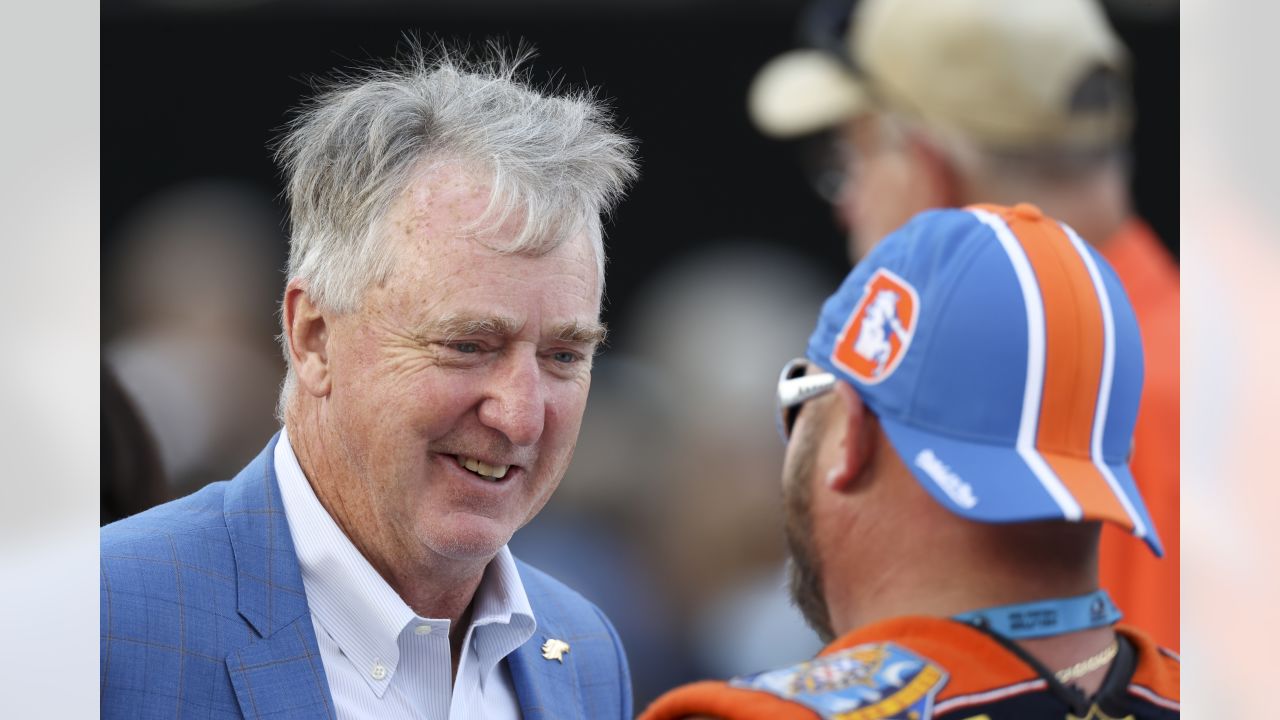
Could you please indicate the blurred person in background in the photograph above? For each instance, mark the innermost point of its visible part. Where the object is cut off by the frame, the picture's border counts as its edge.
(132, 479)
(957, 433)
(439, 321)
(947, 104)
(191, 329)
(597, 534)
(713, 491)
(668, 518)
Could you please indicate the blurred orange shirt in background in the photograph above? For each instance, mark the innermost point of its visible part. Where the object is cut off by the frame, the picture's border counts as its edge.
(1147, 588)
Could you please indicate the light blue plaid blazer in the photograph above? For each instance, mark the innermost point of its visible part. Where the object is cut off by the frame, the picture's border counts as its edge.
(204, 616)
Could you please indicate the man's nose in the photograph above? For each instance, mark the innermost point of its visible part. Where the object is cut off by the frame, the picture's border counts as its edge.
(515, 403)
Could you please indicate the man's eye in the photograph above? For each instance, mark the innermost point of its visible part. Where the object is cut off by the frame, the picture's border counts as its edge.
(466, 348)
(565, 357)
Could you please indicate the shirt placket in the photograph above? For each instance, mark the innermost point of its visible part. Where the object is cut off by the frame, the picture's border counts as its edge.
(425, 663)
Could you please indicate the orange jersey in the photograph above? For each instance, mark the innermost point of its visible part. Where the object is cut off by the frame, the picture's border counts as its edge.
(920, 668)
(1147, 588)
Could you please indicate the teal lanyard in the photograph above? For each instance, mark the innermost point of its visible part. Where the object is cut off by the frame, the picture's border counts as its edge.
(1043, 618)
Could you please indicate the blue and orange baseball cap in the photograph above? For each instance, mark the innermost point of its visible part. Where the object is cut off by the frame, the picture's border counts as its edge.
(1003, 360)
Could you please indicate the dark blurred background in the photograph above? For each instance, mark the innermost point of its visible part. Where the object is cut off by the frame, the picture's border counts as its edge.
(719, 260)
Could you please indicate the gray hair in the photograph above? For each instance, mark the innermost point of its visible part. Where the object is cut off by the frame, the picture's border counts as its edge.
(555, 161)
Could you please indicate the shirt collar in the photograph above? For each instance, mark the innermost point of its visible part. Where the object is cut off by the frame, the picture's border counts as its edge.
(501, 617)
(356, 606)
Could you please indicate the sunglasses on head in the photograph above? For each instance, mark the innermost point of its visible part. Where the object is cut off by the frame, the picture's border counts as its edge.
(794, 388)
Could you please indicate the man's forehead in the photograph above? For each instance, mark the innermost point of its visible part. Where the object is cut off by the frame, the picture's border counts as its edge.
(453, 218)
(448, 183)
(456, 199)
(432, 223)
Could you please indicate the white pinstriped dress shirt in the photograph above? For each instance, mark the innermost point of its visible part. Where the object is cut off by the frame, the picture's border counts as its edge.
(382, 660)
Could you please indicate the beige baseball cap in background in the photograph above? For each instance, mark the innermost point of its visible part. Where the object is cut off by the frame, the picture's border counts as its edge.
(1005, 73)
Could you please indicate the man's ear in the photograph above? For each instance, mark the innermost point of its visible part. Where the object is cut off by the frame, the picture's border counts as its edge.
(308, 335)
(856, 444)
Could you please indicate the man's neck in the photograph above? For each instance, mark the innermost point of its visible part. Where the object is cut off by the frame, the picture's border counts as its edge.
(963, 577)
(918, 591)
(1095, 207)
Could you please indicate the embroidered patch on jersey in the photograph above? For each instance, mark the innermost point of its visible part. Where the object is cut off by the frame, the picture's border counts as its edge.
(867, 682)
(880, 329)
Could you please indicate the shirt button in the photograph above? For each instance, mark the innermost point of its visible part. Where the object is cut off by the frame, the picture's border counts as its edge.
(379, 671)
(422, 630)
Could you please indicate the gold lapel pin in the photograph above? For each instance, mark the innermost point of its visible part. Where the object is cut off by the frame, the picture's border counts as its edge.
(554, 649)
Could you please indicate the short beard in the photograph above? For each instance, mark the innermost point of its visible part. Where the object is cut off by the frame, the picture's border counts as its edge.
(805, 568)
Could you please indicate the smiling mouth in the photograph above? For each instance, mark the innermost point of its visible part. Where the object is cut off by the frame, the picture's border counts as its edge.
(489, 472)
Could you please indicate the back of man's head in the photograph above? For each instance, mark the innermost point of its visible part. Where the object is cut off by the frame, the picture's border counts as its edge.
(1001, 358)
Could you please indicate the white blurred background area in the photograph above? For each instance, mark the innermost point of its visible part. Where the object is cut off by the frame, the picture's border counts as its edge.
(1230, 202)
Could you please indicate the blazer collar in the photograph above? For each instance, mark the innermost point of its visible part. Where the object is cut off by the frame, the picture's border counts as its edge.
(270, 594)
(280, 673)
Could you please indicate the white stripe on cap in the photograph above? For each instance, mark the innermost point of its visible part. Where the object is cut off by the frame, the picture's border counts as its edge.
(1031, 395)
(1104, 387)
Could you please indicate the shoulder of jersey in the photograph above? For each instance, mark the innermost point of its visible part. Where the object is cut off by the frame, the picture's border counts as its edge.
(873, 680)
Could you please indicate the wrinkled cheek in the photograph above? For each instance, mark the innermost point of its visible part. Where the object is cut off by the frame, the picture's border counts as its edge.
(568, 408)
(563, 408)
(563, 425)
(540, 500)
(554, 461)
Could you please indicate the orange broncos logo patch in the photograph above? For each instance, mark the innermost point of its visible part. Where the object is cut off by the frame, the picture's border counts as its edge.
(880, 329)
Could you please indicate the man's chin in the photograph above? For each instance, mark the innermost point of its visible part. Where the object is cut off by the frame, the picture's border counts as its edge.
(468, 538)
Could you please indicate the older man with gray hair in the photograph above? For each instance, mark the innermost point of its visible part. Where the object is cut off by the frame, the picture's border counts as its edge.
(439, 322)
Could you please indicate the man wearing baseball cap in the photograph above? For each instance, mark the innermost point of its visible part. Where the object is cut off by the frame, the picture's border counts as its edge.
(956, 435)
(967, 101)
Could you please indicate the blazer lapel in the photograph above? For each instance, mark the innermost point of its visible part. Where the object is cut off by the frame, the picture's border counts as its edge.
(547, 689)
(280, 674)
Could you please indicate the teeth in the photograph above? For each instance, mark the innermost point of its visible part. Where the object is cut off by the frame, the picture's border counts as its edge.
(496, 472)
